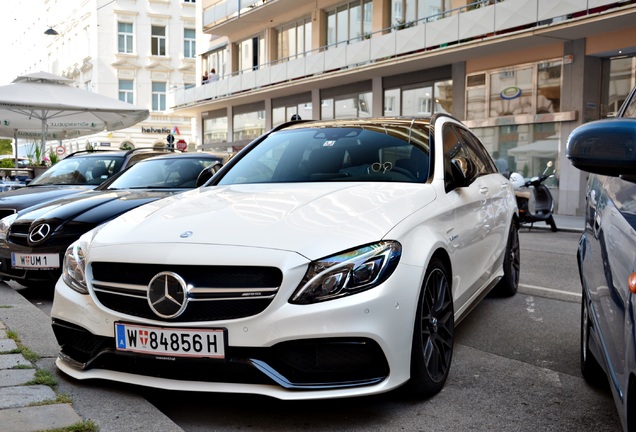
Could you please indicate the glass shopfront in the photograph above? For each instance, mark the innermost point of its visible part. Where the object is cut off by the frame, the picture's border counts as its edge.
(516, 112)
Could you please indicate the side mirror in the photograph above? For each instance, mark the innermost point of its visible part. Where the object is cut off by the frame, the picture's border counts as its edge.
(207, 174)
(459, 168)
(605, 147)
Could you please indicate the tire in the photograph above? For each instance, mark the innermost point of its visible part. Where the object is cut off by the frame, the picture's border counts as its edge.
(590, 367)
(509, 283)
(432, 346)
(552, 224)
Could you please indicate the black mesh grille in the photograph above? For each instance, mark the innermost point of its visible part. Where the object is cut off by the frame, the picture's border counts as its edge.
(78, 343)
(200, 276)
(208, 307)
(19, 233)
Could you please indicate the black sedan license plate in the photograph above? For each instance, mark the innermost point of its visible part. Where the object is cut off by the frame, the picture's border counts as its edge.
(170, 341)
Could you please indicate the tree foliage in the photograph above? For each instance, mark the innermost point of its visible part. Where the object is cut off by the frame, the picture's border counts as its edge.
(5, 146)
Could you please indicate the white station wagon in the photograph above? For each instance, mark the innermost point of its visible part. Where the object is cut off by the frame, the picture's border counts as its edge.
(327, 259)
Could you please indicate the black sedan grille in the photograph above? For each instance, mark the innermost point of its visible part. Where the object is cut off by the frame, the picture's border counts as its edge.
(61, 236)
(214, 293)
(19, 233)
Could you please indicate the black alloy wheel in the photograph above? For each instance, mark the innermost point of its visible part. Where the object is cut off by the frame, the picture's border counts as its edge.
(432, 348)
(509, 283)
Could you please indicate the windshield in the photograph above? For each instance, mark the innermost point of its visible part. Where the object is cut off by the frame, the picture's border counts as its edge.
(92, 170)
(163, 173)
(384, 154)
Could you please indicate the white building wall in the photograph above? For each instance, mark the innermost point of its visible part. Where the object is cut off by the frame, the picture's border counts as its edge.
(86, 51)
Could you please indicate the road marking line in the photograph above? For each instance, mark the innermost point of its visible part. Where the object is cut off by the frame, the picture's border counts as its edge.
(550, 292)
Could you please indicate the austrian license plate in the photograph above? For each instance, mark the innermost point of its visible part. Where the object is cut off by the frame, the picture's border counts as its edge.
(35, 261)
(170, 341)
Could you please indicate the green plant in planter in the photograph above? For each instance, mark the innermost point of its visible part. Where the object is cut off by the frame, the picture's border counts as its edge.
(53, 157)
(35, 154)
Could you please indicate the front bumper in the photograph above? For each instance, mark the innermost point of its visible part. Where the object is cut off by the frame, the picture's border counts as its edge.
(352, 346)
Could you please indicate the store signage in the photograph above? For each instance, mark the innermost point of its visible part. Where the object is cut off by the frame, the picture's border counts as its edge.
(152, 130)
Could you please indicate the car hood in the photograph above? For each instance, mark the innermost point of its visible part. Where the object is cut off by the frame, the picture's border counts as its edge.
(311, 219)
(91, 207)
(28, 196)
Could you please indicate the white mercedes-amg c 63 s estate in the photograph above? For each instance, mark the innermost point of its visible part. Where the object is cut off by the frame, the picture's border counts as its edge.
(326, 259)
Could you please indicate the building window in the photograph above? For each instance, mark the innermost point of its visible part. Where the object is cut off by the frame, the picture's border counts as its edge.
(524, 90)
(524, 148)
(216, 60)
(215, 134)
(347, 106)
(282, 114)
(158, 41)
(406, 12)
(349, 22)
(249, 125)
(126, 93)
(419, 100)
(476, 97)
(158, 96)
(294, 40)
(616, 87)
(125, 37)
(251, 53)
(189, 43)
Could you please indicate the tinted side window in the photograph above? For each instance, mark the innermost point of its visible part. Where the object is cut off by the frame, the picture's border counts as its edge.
(478, 153)
(456, 150)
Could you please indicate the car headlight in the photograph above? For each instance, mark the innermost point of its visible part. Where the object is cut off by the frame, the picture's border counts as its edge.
(348, 273)
(74, 268)
(5, 224)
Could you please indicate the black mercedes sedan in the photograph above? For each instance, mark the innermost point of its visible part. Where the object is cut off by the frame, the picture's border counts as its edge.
(33, 241)
(78, 172)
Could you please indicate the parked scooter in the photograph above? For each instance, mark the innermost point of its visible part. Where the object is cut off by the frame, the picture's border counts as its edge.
(543, 201)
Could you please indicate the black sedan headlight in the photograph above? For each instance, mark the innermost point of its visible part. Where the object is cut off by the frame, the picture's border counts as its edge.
(348, 273)
(5, 225)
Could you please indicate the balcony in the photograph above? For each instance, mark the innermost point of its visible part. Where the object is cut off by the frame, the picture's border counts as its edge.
(434, 41)
(225, 15)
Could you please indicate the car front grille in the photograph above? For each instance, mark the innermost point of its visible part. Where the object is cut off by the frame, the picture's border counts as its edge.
(214, 292)
(19, 233)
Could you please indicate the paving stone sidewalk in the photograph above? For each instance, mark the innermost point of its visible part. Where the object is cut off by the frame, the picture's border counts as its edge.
(20, 404)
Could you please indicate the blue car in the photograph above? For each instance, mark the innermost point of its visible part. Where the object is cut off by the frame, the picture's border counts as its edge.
(607, 254)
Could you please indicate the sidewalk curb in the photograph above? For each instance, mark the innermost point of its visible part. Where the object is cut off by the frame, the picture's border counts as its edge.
(112, 407)
(19, 411)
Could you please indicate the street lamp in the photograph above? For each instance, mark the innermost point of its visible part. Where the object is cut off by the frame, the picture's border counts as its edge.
(51, 32)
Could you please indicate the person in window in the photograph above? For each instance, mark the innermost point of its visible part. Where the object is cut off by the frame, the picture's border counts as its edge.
(205, 79)
(213, 76)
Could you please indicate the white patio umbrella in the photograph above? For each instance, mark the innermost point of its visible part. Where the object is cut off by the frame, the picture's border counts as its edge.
(44, 105)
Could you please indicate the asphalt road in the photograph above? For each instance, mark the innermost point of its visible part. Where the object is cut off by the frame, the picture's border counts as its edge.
(515, 368)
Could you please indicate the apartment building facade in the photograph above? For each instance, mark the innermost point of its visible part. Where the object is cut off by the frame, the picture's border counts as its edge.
(521, 73)
(130, 50)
